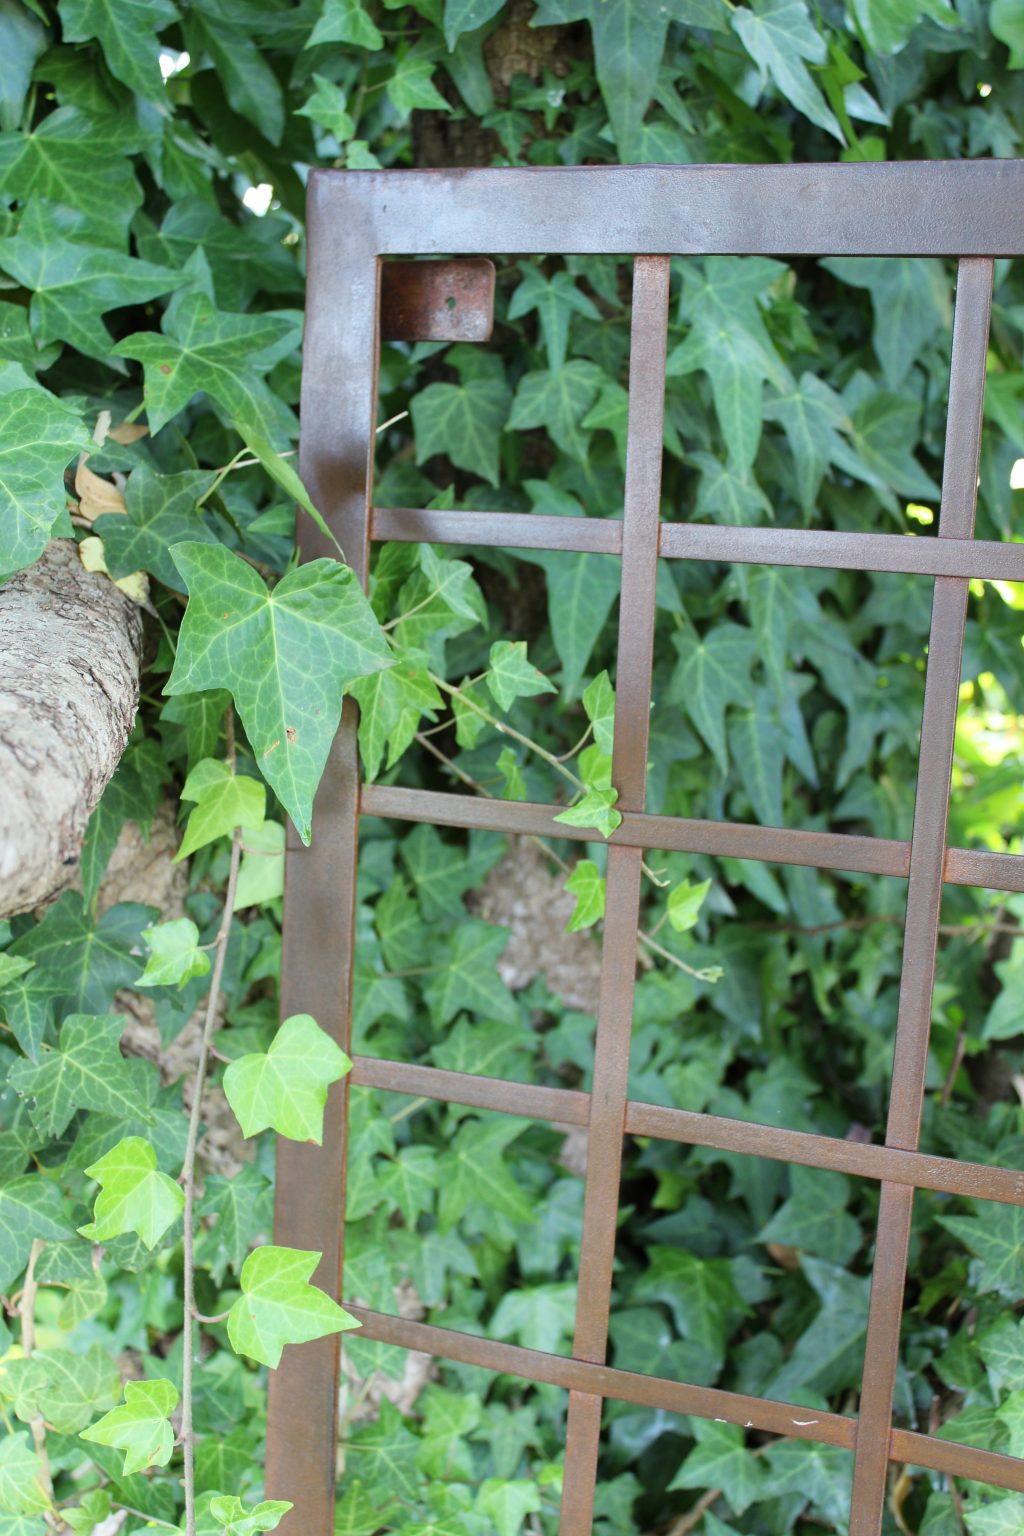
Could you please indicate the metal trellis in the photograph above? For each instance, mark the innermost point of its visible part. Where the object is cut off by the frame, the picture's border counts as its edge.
(973, 211)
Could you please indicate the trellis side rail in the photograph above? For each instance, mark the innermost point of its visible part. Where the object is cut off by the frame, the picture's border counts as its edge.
(972, 211)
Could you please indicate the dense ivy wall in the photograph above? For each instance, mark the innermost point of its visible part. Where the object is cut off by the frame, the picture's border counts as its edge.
(152, 163)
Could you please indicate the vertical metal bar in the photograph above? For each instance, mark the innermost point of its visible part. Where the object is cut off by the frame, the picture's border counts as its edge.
(648, 342)
(924, 892)
(339, 389)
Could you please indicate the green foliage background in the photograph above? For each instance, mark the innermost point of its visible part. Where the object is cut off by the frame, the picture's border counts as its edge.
(151, 247)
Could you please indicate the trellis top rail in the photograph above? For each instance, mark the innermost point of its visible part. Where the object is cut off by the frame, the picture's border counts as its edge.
(893, 208)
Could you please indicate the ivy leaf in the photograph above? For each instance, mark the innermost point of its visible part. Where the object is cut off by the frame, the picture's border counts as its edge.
(511, 676)
(779, 35)
(127, 31)
(466, 16)
(411, 84)
(581, 591)
(77, 1386)
(223, 801)
(410, 1179)
(239, 1521)
(240, 1207)
(87, 1071)
(285, 1088)
(22, 40)
(73, 284)
(327, 107)
(474, 1172)
(286, 656)
(820, 1475)
(278, 1306)
(629, 41)
(812, 416)
(995, 1235)
(30, 1207)
(587, 884)
(345, 21)
(384, 1454)
(81, 166)
(462, 421)
(83, 1519)
(355, 1513)
(599, 704)
(174, 954)
(508, 1502)
(392, 703)
(538, 1316)
(888, 25)
(514, 784)
(911, 302)
(261, 874)
(756, 741)
(21, 1481)
(201, 716)
(712, 673)
(77, 963)
(720, 1459)
(814, 1219)
(684, 904)
(558, 401)
(595, 809)
(134, 1196)
(469, 977)
(204, 349)
(554, 299)
(249, 82)
(140, 1426)
(700, 1293)
(736, 360)
(39, 435)
(440, 871)
(282, 473)
(161, 511)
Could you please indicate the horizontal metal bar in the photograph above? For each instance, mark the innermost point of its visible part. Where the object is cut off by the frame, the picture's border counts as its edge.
(566, 1106)
(561, 1106)
(928, 208)
(785, 1419)
(910, 555)
(720, 839)
(497, 530)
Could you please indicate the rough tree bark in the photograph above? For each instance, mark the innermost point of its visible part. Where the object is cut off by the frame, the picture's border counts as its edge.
(69, 689)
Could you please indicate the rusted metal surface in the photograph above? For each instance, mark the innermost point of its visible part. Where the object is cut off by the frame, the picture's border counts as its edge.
(437, 300)
(924, 891)
(969, 210)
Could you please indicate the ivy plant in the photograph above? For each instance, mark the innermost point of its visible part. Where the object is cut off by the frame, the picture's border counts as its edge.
(153, 156)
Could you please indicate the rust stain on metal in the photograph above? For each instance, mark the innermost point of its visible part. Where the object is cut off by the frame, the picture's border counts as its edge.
(437, 300)
(972, 210)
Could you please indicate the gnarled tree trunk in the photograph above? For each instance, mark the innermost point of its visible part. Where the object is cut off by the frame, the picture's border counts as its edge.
(69, 689)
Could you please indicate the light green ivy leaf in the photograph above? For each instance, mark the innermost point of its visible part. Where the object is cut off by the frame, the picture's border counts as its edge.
(278, 1306)
(285, 1088)
(175, 955)
(223, 801)
(140, 1426)
(134, 1195)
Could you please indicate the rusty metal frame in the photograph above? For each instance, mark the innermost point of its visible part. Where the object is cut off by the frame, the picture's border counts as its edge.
(973, 211)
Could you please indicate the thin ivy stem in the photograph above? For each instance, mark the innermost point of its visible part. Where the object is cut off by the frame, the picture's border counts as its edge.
(472, 783)
(188, 1171)
(508, 730)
